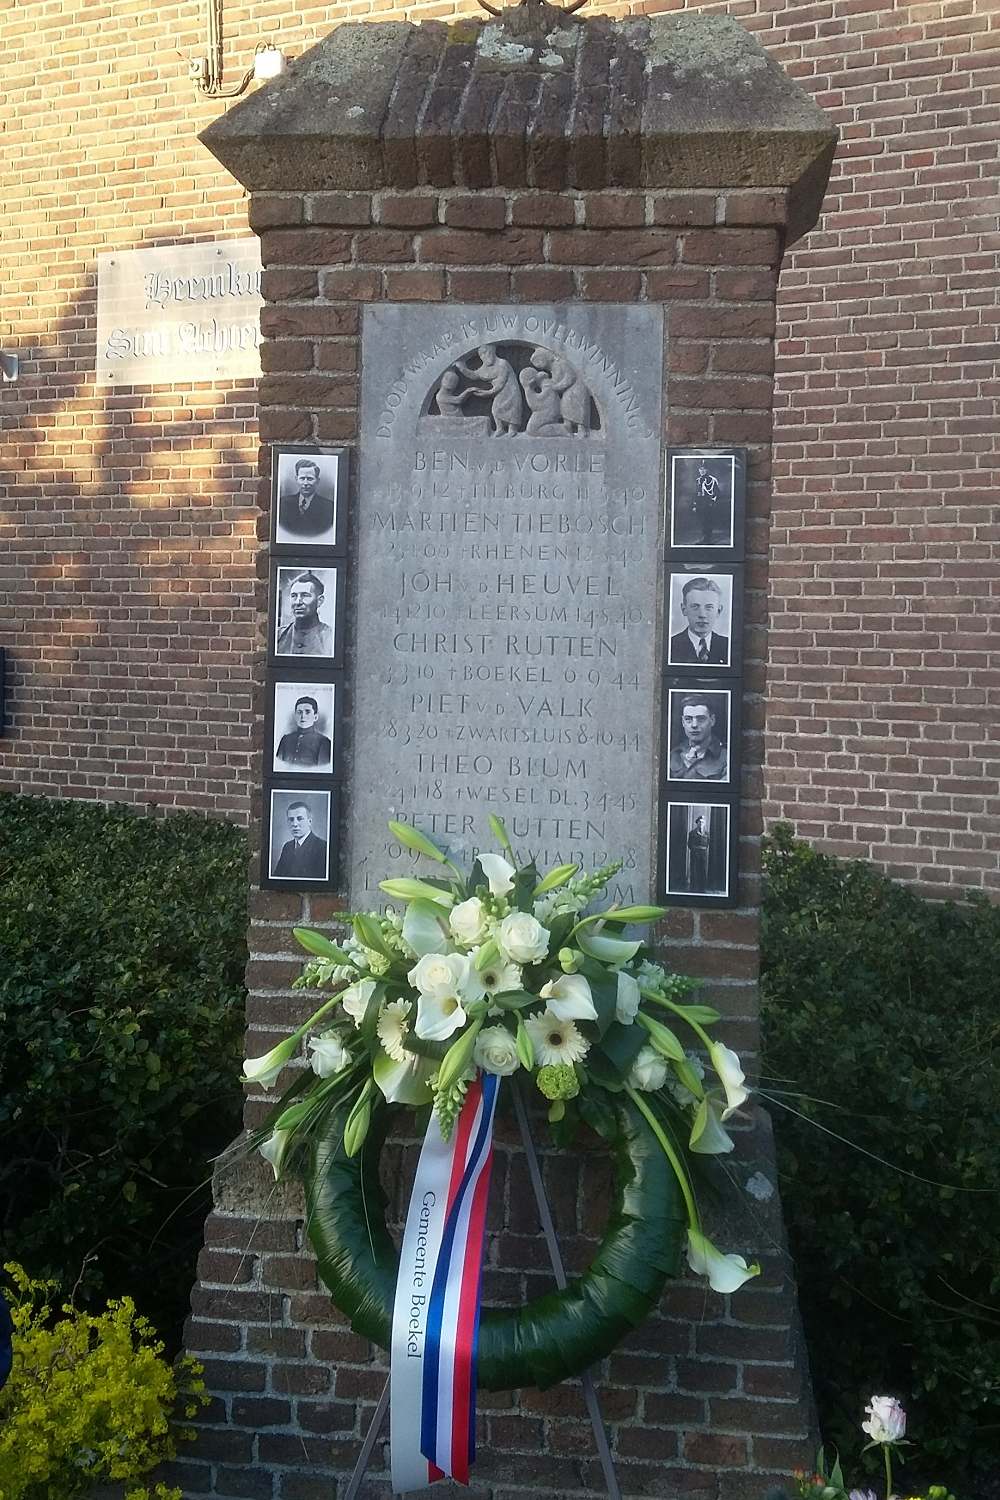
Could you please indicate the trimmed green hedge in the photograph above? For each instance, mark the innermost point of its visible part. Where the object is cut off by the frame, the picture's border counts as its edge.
(889, 1006)
(122, 949)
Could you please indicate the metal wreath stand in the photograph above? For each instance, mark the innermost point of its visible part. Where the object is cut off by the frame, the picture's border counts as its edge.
(559, 1271)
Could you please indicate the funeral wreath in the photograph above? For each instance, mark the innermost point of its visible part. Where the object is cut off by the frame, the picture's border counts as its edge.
(498, 972)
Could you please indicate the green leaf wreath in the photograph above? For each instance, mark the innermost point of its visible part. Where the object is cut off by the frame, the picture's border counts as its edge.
(506, 971)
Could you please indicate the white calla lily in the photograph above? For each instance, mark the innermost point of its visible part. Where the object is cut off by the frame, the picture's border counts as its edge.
(439, 1017)
(406, 1082)
(609, 950)
(708, 1138)
(627, 1001)
(265, 1069)
(498, 872)
(423, 928)
(731, 1076)
(569, 997)
(726, 1273)
(356, 997)
(274, 1148)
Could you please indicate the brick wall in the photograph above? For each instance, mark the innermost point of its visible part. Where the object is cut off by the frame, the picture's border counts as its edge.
(708, 1397)
(126, 518)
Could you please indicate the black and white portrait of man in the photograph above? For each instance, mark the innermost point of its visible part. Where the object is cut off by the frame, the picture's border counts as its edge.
(306, 499)
(303, 727)
(300, 835)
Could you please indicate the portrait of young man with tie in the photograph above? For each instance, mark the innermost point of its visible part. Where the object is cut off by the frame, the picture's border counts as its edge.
(299, 835)
(700, 608)
(306, 490)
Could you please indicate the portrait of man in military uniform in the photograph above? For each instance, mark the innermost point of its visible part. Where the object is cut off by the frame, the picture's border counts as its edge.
(303, 727)
(698, 850)
(305, 617)
(702, 492)
(699, 736)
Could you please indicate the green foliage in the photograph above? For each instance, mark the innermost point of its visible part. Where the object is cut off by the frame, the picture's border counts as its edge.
(122, 947)
(887, 1005)
(89, 1399)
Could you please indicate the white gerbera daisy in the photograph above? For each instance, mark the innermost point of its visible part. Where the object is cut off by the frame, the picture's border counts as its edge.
(500, 976)
(392, 1028)
(555, 1041)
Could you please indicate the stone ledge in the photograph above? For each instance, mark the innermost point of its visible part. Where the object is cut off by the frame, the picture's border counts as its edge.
(534, 99)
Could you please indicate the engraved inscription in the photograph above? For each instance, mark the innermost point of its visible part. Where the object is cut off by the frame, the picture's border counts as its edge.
(507, 585)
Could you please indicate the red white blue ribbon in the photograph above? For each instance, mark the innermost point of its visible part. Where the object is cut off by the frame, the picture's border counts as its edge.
(435, 1322)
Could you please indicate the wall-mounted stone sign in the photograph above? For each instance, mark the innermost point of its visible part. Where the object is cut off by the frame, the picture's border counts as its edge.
(179, 313)
(508, 580)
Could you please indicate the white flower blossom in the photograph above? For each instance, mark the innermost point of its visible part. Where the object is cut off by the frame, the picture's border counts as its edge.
(727, 1065)
(496, 1051)
(726, 1273)
(569, 997)
(355, 999)
(274, 1148)
(329, 1055)
(498, 872)
(392, 1027)
(499, 975)
(468, 921)
(886, 1420)
(648, 1072)
(522, 938)
(627, 1001)
(555, 1041)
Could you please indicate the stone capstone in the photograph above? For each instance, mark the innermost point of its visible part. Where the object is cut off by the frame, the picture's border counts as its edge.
(533, 98)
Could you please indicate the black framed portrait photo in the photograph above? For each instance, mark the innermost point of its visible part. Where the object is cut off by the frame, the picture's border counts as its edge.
(308, 497)
(706, 502)
(698, 861)
(302, 725)
(306, 615)
(299, 846)
(705, 620)
(701, 734)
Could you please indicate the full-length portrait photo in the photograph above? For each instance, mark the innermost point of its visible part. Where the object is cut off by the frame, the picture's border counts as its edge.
(706, 501)
(698, 854)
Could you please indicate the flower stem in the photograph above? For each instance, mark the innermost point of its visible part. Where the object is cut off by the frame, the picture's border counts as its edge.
(888, 1471)
(669, 1152)
(677, 1010)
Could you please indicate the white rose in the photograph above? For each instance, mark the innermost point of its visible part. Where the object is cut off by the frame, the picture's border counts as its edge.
(329, 1055)
(444, 975)
(498, 872)
(522, 938)
(886, 1420)
(468, 921)
(627, 1003)
(356, 997)
(433, 974)
(496, 1051)
(649, 1071)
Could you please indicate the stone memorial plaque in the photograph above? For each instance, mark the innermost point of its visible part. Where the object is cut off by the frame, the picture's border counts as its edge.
(179, 313)
(507, 588)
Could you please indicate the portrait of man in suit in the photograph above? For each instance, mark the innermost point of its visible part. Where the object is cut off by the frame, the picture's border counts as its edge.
(307, 500)
(303, 747)
(303, 855)
(700, 643)
(303, 595)
(699, 752)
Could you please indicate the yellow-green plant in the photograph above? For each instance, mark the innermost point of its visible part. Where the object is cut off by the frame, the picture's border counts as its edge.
(90, 1398)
